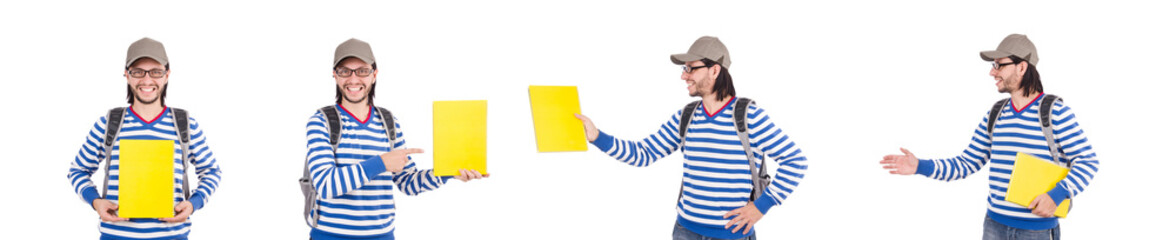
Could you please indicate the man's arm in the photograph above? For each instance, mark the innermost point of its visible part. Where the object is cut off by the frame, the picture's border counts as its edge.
(1078, 151)
(207, 170)
(779, 147)
(413, 181)
(330, 179)
(639, 154)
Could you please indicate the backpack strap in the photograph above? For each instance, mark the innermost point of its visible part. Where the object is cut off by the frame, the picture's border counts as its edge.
(683, 122)
(180, 117)
(389, 125)
(334, 128)
(994, 114)
(114, 119)
(1044, 112)
(740, 116)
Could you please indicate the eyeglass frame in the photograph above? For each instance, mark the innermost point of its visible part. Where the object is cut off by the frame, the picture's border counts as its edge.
(686, 68)
(144, 72)
(347, 72)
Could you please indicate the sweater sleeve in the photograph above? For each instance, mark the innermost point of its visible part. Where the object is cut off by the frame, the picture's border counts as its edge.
(207, 170)
(647, 151)
(87, 162)
(411, 180)
(779, 147)
(974, 157)
(1078, 152)
(330, 179)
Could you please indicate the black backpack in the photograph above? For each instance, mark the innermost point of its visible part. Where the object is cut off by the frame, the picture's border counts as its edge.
(761, 179)
(114, 120)
(335, 129)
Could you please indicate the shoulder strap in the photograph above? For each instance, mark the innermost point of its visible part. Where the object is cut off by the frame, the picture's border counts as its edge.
(740, 117)
(114, 119)
(994, 114)
(389, 125)
(180, 118)
(1044, 112)
(334, 128)
(684, 121)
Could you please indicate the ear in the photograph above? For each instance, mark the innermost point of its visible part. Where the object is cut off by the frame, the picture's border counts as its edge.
(1022, 68)
(374, 73)
(714, 71)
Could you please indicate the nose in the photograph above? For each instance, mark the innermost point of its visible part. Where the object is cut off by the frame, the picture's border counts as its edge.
(685, 75)
(992, 72)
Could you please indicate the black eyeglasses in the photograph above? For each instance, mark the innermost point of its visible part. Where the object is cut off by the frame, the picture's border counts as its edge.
(362, 72)
(690, 69)
(139, 72)
(997, 66)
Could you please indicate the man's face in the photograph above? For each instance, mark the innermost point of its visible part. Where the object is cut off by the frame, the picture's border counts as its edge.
(1007, 74)
(147, 79)
(699, 79)
(355, 78)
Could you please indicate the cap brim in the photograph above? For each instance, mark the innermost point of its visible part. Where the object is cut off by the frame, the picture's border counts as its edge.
(993, 55)
(361, 58)
(682, 58)
(133, 60)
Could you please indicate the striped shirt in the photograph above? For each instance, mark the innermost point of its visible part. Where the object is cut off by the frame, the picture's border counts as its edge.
(133, 126)
(716, 177)
(1019, 130)
(354, 188)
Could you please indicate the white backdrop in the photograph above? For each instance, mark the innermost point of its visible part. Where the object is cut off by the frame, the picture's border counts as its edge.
(850, 81)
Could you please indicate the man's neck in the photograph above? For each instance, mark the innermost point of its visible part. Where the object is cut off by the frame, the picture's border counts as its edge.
(147, 110)
(1020, 100)
(360, 110)
(712, 104)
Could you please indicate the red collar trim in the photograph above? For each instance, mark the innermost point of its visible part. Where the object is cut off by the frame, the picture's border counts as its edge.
(369, 116)
(153, 119)
(1027, 104)
(708, 114)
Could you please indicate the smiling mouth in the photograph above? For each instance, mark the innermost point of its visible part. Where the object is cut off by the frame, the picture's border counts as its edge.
(354, 89)
(147, 89)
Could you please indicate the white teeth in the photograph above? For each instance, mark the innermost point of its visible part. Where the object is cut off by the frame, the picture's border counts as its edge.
(353, 89)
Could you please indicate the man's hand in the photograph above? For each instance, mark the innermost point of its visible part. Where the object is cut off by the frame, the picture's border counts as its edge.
(469, 174)
(905, 164)
(1043, 206)
(745, 217)
(107, 210)
(183, 210)
(589, 129)
(395, 160)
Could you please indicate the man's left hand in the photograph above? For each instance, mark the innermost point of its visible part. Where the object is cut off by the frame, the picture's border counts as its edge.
(1043, 206)
(745, 217)
(183, 210)
(470, 174)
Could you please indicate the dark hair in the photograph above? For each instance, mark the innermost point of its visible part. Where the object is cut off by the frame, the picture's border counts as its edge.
(339, 93)
(724, 86)
(1031, 81)
(162, 94)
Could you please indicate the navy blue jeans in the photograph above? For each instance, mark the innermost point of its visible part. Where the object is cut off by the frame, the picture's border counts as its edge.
(996, 231)
(681, 233)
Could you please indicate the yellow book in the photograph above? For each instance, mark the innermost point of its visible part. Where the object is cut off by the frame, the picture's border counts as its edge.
(459, 136)
(1033, 176)
(146, 178)
(556, 129)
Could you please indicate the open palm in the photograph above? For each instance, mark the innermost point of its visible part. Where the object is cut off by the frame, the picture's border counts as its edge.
(905, 164)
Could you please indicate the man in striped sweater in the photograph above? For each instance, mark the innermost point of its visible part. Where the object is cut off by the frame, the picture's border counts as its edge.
(147, 118)
(1017, 129)
(716, 199)
(355, 182)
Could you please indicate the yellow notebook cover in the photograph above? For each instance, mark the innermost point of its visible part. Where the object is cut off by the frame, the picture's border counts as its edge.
(1033, 176)
(459, 136)
(146, 178)
(556, 129)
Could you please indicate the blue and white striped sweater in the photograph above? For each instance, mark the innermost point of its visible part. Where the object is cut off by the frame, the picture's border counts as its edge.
(134, 127)
(354, 188)
(716, 178)
(1020, 131)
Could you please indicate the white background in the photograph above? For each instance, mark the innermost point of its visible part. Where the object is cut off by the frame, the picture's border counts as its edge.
(850, 81)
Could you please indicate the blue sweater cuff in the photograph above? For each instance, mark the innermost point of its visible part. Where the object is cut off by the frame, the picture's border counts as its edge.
(197, 201)
(764, 202)
(373, 166)
(604, 142)
(926, 167)
(1058, 194)
(89, 194)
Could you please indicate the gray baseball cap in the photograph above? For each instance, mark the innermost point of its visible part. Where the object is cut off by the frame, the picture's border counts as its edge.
(146, 48)
(1013, 45)
(354, 48)
(705, 47)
